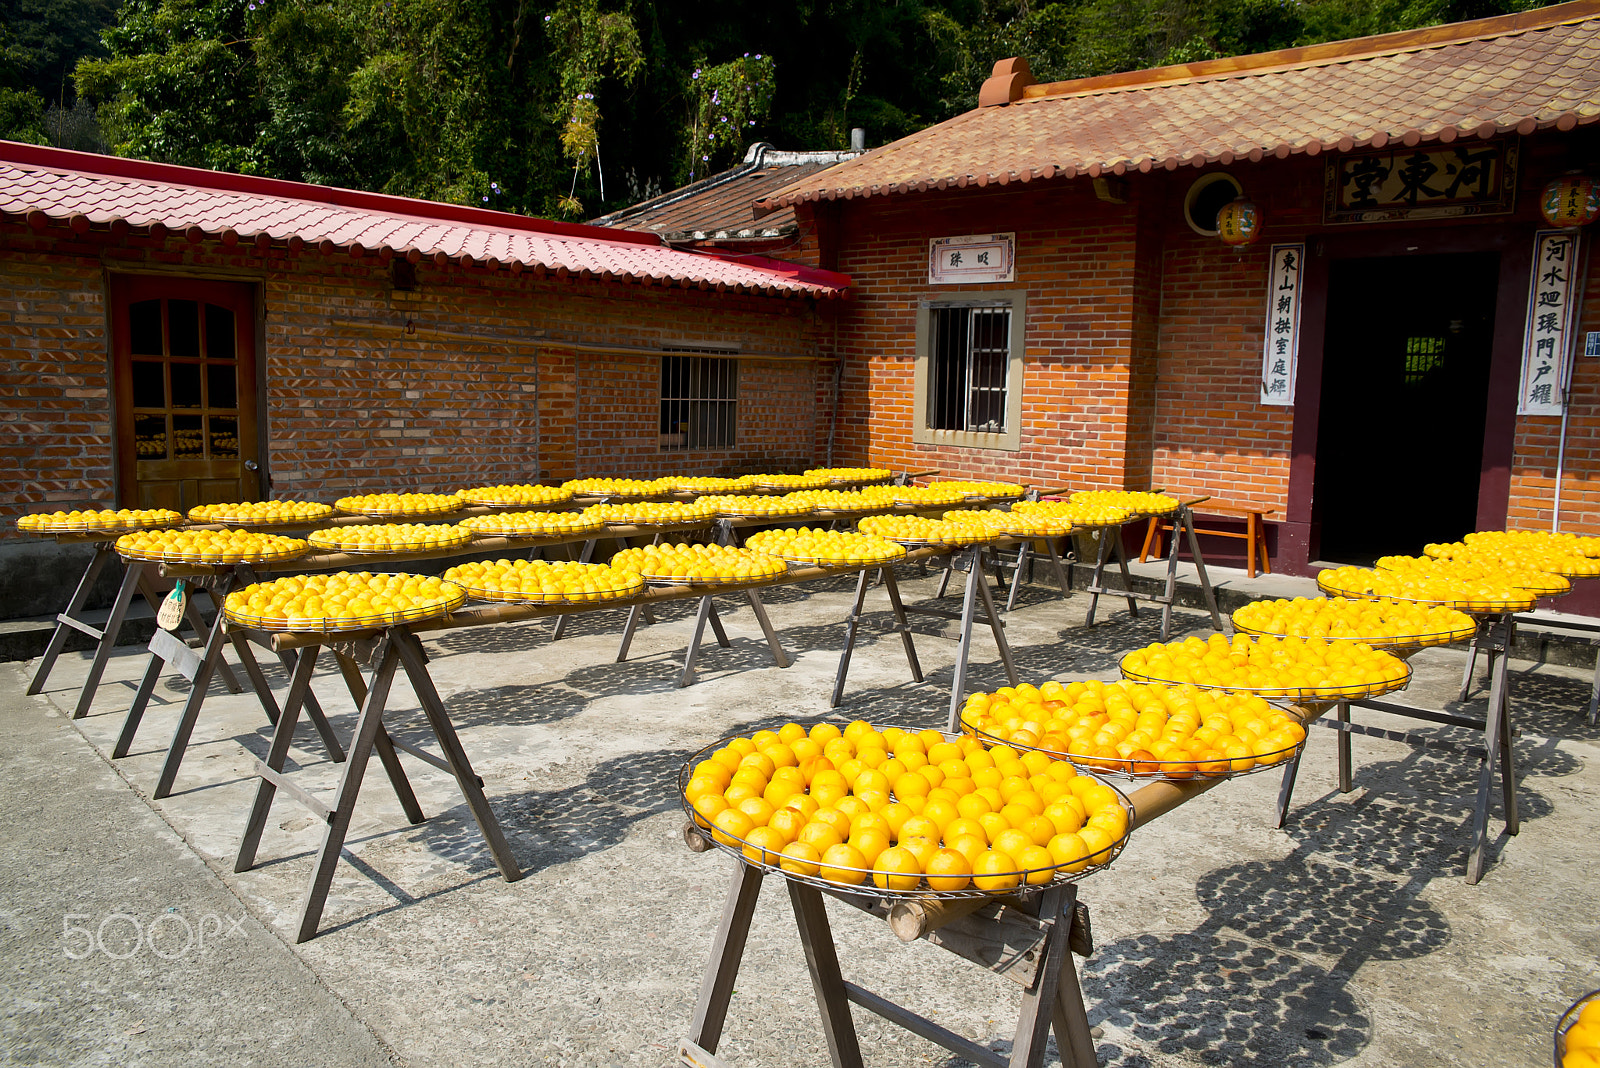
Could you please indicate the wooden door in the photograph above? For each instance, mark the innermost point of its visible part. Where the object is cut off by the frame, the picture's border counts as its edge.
(184, 361)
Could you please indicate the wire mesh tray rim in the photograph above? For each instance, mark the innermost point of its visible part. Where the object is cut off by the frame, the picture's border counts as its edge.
(1159, 774)
(505, 532)
(268, 521)
(816, 561)
(1568, 1018)
(377, 621)
(90, 529)
(221, 559)
(387, 550)
(937, 543)
(629, 521)
(723, 514)
(712, 583)
(1383, 641)
(871, 889)
(1299, 693)
(1469, 605)
(1113, 850)
(484, 593)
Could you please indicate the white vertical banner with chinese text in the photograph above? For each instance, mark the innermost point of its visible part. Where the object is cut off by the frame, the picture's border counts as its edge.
(1546, 341)
(1280, 352)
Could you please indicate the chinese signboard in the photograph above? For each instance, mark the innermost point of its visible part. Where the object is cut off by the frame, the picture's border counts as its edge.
(1551, 296)
(1281, 351)
(977, 258)
(1421, 183)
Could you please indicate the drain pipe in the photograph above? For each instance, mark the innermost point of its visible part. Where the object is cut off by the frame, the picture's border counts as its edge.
(838, 373)
(1582, 289)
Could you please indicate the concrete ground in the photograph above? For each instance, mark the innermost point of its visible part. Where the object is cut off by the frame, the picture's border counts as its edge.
(1349, 937)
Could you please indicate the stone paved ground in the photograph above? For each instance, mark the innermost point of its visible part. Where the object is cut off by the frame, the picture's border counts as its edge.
(1347, 938)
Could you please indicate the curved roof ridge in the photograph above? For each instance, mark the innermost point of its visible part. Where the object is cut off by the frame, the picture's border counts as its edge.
(1328, 53)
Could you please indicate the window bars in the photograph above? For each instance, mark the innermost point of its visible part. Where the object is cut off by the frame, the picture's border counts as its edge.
(970, 356)
(699, 401)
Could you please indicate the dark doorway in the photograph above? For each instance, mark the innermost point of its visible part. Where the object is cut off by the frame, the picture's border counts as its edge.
(1405, 389)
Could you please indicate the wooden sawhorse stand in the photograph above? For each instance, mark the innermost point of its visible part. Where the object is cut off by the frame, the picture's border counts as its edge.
(892, 588)
(1495, 752)
(198, 668)
(1027, 553)
(135, 579)
(976, 592)
(621, 535)
(1549, 629)
(400, 648)
(707, 614)
(1111, 546)
(1025, 940)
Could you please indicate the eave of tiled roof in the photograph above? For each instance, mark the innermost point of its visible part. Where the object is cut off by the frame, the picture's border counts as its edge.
(1530, 71)
(718, 207)
(84, 191)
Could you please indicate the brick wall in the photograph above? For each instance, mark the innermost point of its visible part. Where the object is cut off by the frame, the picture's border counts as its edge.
(1075, 260)
(1533, 472)
(55, 419)
(352, 404)
(1143, 338)
(1212, 434)
(619, 420)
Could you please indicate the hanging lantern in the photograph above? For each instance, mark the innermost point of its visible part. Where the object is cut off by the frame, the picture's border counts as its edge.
(1570, 201)
(1239, 223)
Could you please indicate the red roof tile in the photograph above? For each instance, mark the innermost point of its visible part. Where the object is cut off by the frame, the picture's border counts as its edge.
(1524, 72)
(45, 184)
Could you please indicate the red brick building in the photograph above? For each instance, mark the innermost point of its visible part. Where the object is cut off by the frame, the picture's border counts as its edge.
(173, 336)
(1037, 292)
(1127, 346)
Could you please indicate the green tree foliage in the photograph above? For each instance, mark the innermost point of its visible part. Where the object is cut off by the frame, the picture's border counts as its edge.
(528, 105)
(21, 107)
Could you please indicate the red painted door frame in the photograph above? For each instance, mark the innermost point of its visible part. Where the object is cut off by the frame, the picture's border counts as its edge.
(1299, 536)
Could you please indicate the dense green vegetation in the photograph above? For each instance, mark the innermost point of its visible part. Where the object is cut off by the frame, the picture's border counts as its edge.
(573, 107)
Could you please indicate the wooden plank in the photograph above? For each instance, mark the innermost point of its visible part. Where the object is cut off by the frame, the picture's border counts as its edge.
(175, 652)
(923, 1027)
(1000, 939)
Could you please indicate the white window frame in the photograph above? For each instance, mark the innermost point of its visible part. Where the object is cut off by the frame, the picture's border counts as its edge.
(1010, 438)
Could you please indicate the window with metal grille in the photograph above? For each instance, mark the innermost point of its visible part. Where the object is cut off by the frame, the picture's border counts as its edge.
(699, 401)
(969, 359)
(1423, 354)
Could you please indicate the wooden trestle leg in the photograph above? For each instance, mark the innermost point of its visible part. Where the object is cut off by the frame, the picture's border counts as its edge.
(977, 591)
(822, 960)
(1497, 745)
(455, 757)
(854, 624)
(1286, 791)
(849, 639)
(108, 637)
(1052, 996)
(68, 619)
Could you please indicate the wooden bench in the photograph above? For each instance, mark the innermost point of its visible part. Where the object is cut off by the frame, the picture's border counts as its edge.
(1254, 533)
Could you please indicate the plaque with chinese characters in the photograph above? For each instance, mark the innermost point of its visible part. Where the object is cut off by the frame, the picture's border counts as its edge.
(1546, 340)
(975, 258)
(1443, 181)
(1281, 351)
